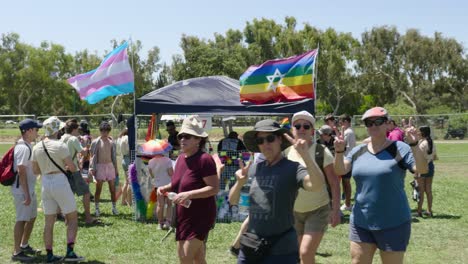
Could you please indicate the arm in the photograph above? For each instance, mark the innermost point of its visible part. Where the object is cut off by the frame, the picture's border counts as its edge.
(36, 169)
(211, 189)
(242, 177)
(23, 182)
(341, 166)
(334, 182)
(70, 165)
(315, 180)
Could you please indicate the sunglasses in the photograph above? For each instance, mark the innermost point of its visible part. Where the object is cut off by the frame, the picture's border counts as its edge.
(260, 140)
(184, 136)
(376, 122)
(305, 126)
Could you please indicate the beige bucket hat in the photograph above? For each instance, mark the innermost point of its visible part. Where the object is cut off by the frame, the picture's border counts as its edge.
(192, 125)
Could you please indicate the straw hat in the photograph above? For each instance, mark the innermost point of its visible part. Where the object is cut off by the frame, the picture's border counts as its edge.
(192, 125)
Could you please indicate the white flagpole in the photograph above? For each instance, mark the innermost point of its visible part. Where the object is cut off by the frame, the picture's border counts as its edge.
(314, 77)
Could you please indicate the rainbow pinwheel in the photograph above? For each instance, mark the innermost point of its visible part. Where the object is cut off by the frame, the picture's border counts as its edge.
(154, 147)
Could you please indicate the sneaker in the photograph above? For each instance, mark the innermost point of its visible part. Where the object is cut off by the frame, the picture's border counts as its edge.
(30, 250)
(72, 257)
(53, 259)
(22, 257)
(115, 211)
(160, 227)
(234, 251)
(346, 208)
(97, 213)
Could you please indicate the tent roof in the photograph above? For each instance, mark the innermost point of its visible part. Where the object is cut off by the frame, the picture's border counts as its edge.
(217, 95)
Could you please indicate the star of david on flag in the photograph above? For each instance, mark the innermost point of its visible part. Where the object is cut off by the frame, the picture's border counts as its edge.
(280, 80)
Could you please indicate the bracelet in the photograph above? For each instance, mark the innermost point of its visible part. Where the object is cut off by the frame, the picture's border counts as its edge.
(414, 144)
(339, 151)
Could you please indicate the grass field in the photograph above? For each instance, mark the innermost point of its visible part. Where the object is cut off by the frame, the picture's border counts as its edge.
(441, 239)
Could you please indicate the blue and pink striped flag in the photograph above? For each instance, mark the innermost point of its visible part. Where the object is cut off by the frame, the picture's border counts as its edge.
(113, 77)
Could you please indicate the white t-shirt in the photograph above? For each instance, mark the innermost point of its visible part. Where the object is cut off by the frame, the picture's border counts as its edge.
(159, 167)
(309, 201)
(74, 147)
(350, 140)
(122, 145)
(22, 156)
(58, 151)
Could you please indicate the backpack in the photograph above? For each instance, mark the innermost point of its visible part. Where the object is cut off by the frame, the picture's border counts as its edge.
(7, 174)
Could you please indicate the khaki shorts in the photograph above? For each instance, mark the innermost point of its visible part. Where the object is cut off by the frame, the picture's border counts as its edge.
(23, 212)
(313, 221)
(56, 193)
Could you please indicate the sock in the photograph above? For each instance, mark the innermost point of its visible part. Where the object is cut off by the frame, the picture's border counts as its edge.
(50, 253)
(24, 245)
(97, 205)
(70, 247)
(113, 204)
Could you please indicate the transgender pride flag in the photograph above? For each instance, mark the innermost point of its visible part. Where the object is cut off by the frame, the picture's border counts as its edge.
(113, 77)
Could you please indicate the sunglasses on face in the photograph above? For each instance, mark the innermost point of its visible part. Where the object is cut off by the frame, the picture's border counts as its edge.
(376, 122)
(260, 140)
(184, 136)
(305, 126)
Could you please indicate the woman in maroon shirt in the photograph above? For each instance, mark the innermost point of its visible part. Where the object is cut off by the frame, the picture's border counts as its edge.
(194, 179)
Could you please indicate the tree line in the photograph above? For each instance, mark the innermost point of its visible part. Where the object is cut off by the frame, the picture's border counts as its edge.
(409, 73)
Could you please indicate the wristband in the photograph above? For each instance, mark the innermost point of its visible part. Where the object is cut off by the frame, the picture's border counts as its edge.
(413, 144)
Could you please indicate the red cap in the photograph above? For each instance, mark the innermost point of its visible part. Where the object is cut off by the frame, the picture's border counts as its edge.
(375, 112)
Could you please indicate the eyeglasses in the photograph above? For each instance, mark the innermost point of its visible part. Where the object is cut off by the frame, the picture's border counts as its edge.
(376, 122)
(305, 126)
(260, 140)
(184, 136)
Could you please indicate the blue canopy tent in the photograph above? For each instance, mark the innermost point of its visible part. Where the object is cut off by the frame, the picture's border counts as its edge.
(216, 95)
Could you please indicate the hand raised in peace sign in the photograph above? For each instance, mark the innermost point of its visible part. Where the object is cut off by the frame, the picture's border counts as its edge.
(301, 145)
(242, 172)
(339, 143)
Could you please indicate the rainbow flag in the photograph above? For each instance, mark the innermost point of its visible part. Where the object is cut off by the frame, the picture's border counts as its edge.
(113, 77)
(285, 123)
(280, 80)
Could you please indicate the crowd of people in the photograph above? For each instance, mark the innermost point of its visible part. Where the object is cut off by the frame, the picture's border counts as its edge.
(295, 191)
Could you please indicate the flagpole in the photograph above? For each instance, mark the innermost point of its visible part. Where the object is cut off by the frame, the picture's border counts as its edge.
(315, 72)
(133, 157)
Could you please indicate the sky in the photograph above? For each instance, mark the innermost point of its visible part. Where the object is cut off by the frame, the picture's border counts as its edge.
(86, 24)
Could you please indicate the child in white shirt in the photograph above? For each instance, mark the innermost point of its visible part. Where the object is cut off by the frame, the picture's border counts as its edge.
(160, 169)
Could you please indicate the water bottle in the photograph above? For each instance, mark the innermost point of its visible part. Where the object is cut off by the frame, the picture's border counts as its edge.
(244, 203)
(172, 195)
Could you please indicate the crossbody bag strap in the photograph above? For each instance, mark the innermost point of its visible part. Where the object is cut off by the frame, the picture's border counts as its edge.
(50, 158)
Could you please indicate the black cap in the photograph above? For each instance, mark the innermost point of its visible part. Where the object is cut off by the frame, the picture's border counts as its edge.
(28, 124)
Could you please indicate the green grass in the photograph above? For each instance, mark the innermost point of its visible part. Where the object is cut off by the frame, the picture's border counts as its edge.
(441, 239)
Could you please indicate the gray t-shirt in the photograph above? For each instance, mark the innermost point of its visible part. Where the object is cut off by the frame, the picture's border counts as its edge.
(272, 195)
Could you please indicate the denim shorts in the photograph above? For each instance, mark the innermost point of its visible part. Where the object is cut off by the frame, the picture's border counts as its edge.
(391, 239)
(430, 172)
(271, 259)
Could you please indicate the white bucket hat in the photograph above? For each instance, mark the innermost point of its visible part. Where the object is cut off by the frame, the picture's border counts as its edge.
(192, 125)
(51, 125)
